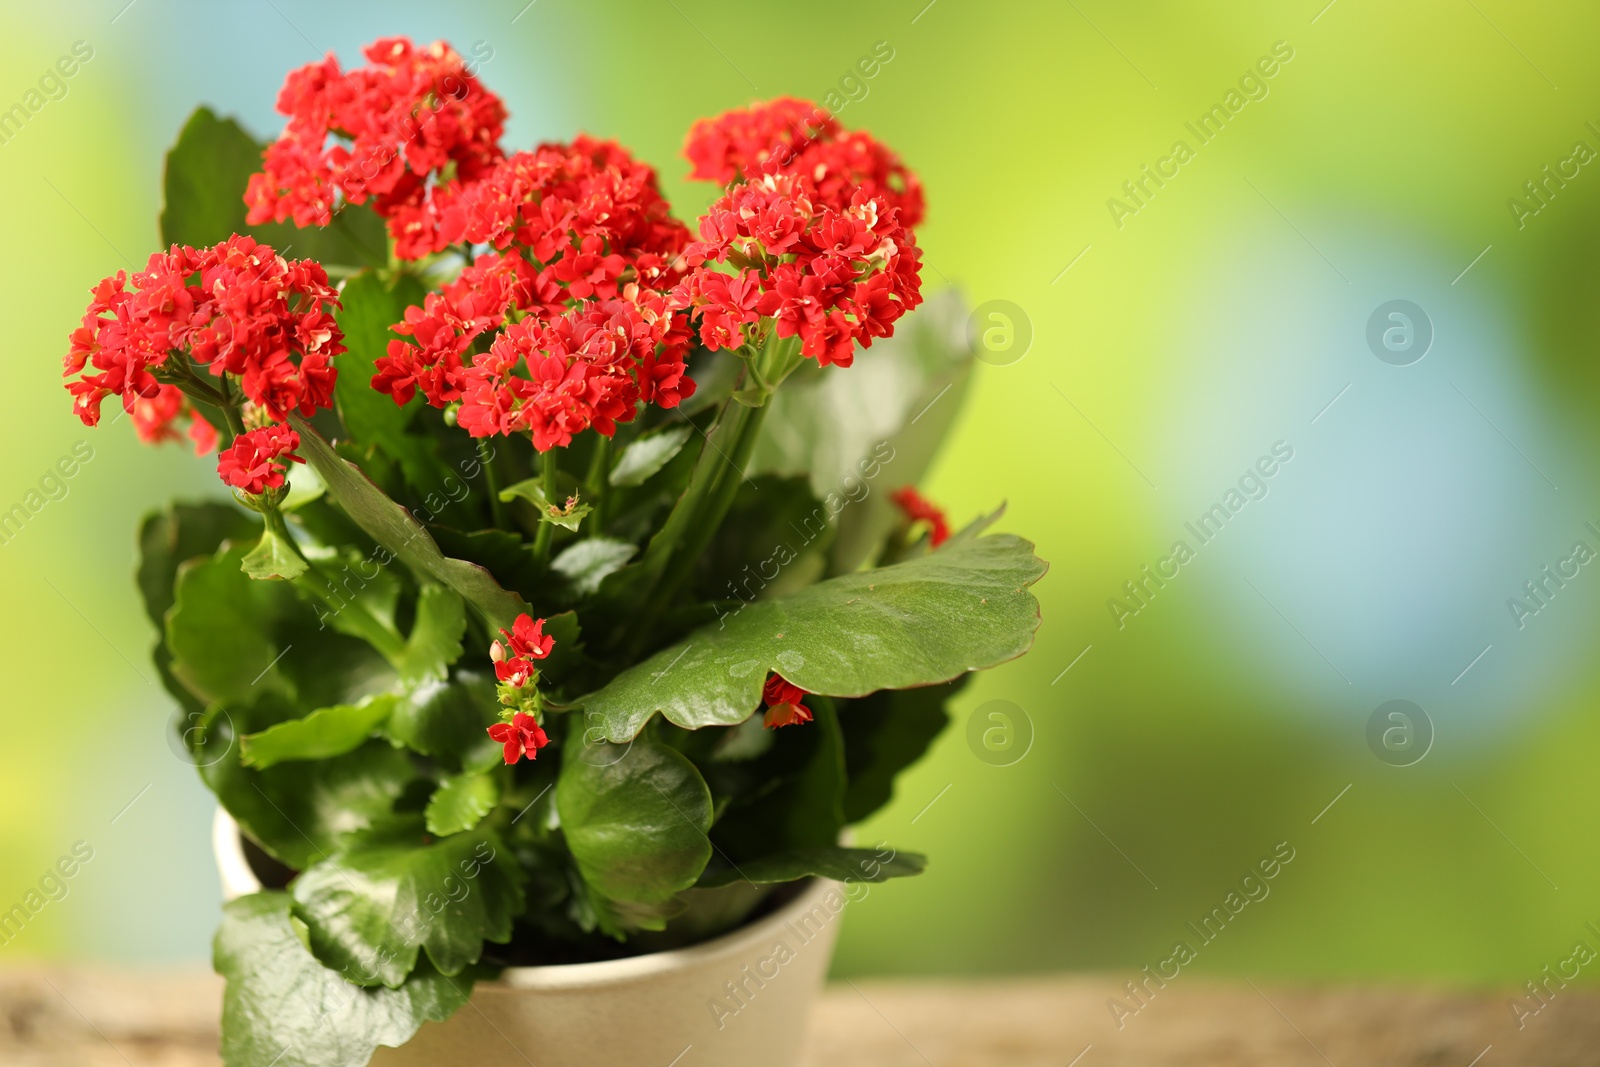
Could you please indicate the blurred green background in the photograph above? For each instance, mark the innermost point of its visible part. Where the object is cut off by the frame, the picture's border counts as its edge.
(1152, 764)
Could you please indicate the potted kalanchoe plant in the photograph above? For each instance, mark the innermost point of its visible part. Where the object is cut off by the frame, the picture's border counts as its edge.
(574, 596)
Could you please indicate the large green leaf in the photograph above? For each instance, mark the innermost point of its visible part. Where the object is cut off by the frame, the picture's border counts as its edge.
(839, 864)
(373, 904)
(962, 608)
(394, 528)
(206, 174)
(283, 1008)
(635, 818)
(885, 733)
(326, 732)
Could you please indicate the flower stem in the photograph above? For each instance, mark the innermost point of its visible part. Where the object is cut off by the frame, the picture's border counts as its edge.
(595, 481)
(547, 529)
(497, 511)
(688, 531)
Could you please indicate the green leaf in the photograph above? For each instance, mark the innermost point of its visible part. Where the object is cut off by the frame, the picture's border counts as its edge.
(177, 534)
(585, 564)
(300, 811)
(635, 818)
(839, 864)
(461, 802)
(647, 455)
(206, 174)
(371, 305)
(963, 608)
(371, 906)
(435, 640)
(273, 557)
(885, 733)
(220, 630)
(401, 535)
(284, 1008)
(450, 721)
(562, 515)
(326, 732)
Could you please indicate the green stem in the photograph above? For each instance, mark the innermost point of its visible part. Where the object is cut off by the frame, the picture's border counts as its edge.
(547, 529)
(595, 482)
(497, 511)
(718, 473)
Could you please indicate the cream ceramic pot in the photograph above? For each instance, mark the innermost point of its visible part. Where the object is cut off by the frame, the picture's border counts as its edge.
(739, 1000)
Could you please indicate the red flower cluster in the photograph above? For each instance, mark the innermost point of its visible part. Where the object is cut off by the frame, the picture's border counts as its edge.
(789, 136)
(783, 704)
(525, 642)
(589, 367)
(588, 211)
(412, 115)
(238, 308)
(834, 277)
(580, 222)
(254, 462)
(521, 736)
(447, 324)
(918, 508)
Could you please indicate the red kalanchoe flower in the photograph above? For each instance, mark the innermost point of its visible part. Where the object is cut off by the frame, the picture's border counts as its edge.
(237, 308)
(836, 278)
(410, 117)
(528, 639)
(918, 508)
(589, 367)
(522, 736)
(447, 324)
(525, 642)
(588, 211)
(578, 222)
(255, 463)
(783, 703)
(789, 136)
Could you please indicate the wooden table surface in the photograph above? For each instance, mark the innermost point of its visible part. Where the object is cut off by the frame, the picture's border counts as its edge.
(142, 1019)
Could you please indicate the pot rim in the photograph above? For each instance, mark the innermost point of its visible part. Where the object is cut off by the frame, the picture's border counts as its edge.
(239, 880)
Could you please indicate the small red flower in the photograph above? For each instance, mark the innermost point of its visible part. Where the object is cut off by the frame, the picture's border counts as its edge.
(528, 639)
(525, 642)
(522, 736)
(783, 703)
(254, 462)
(919, 508)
